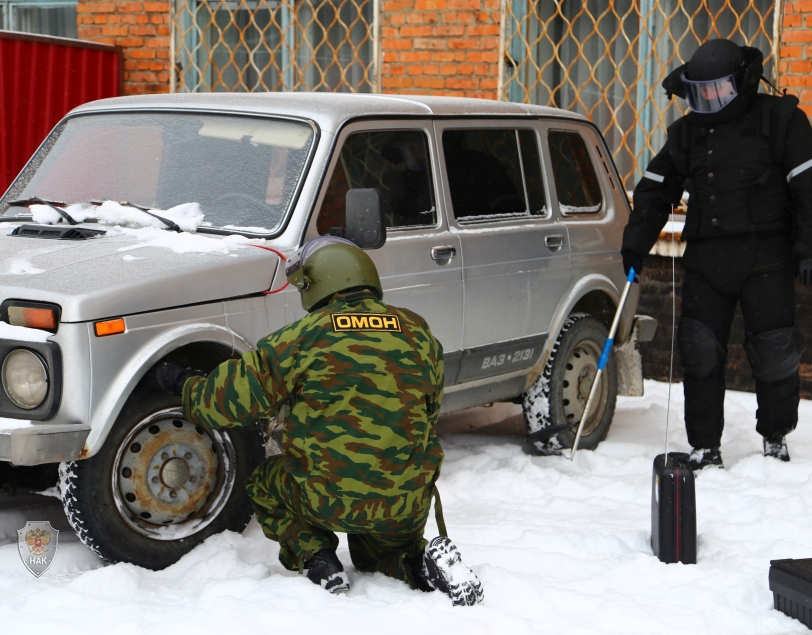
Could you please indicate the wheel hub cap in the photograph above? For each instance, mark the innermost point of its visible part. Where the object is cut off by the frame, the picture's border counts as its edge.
(579, 375)
(167, 471)
(174, 473)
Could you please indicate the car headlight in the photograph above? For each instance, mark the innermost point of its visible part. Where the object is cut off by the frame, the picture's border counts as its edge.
(25, 378)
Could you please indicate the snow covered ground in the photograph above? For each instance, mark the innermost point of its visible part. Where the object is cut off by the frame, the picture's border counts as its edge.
(560, 548)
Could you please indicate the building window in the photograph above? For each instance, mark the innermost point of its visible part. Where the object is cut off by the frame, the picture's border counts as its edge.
(274, 45)
(39, 16)
(606, 59)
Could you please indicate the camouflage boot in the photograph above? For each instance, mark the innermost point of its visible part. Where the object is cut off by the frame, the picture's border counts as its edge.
(326, 569)
(443, 569)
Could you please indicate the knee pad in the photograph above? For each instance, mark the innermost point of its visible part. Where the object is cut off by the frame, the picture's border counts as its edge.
(775, 355)
(699, 349)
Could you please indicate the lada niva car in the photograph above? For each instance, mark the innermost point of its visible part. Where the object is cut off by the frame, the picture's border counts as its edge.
(150, 229)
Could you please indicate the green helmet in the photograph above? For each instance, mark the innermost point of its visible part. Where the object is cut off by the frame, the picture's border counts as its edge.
(328, 264)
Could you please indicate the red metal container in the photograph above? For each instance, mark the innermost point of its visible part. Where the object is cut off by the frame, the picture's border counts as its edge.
(41, 79)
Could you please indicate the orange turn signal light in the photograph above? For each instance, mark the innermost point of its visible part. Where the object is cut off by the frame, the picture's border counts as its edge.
(110, 327)
(32, 318)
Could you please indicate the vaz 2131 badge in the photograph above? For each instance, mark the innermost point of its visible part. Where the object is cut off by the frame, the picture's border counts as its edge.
(37, 542)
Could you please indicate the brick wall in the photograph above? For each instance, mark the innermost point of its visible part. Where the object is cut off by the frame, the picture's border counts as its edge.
(656, 301)
(436, 47)
(440, 47)
(141, 30)
(796, 51)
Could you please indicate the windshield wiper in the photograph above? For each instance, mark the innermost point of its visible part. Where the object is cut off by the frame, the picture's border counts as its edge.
(36, 200)
(170, 224)
(25, 202)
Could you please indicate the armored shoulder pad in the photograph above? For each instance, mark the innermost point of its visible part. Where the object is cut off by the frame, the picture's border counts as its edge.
(773, 120)
(780, 116)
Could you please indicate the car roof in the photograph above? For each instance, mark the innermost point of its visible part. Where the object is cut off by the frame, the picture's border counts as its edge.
(328, 110)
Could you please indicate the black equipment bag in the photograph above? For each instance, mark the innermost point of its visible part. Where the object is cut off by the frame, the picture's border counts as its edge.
(673, 509)
(791, 584)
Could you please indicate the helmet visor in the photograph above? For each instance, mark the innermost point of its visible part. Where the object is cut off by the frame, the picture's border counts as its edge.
(710, 95)
(294, 268)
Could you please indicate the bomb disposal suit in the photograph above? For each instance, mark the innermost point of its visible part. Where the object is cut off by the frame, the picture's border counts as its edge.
(744, 158)
(361, 385)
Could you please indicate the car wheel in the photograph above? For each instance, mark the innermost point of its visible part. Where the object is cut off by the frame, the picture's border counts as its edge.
(558, 396)
(160, 485)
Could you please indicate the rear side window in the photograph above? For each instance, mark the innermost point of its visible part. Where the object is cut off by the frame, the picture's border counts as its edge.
(494, 173)
(575, 180)
(396, 162)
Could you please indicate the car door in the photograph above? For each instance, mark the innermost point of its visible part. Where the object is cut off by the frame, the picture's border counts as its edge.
(581, 172)
(420, 264)
(515, 253)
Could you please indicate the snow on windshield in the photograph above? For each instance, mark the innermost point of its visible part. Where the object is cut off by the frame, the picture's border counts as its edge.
(148, 231)
(187, 216)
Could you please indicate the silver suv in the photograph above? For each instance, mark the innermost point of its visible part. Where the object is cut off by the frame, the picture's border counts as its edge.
(149, 229)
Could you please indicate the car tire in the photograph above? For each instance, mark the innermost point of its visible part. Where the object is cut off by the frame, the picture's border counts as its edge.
(160, 485)
(559, 395)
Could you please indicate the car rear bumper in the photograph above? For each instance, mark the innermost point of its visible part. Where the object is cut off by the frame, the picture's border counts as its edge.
(646, 327)
(629, 360)
(35, 444)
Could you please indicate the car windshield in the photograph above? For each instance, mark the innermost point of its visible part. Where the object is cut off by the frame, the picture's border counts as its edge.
(243, 172)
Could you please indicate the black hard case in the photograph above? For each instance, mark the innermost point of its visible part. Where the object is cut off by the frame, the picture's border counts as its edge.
(791, 584)
(673, 509)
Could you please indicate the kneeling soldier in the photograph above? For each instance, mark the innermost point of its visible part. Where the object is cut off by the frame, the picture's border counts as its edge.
(361, 384)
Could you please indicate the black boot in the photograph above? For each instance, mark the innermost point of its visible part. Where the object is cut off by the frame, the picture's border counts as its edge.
(705, 457)
(776, 447)
(326, 569)
(444, 570)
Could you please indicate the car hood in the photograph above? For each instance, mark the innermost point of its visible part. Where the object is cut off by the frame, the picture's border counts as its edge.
(146, 270)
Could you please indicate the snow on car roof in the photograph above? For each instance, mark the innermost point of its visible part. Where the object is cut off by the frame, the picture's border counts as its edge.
(329, 110)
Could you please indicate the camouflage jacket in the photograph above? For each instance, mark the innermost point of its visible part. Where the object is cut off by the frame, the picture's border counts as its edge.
(361, 384)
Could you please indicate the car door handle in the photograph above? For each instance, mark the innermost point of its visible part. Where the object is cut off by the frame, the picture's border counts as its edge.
(554, 242)
(443, 253)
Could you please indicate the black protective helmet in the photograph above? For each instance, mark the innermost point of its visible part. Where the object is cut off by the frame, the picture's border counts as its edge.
(713, 78)
(720, 76)
(715, 59)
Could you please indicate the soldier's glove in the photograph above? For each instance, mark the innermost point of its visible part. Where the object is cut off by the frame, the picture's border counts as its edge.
(171, 377)
(632, 259)
(805, 271)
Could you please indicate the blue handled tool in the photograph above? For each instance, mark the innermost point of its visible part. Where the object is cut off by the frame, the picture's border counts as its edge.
(607, 349)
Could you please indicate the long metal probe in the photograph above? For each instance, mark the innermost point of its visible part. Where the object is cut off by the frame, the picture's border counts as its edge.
(673, 330)
(607, 349)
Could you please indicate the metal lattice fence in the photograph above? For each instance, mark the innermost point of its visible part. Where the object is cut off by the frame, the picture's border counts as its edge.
(607, 59)
(274, 45)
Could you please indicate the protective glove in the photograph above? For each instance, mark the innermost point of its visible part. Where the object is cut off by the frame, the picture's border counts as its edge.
(632, 259)
(805, 271)
(171, 377)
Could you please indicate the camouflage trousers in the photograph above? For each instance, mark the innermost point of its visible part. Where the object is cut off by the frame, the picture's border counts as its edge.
(277, 500)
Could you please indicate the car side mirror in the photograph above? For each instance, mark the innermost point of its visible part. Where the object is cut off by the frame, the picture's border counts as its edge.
(365, 224)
